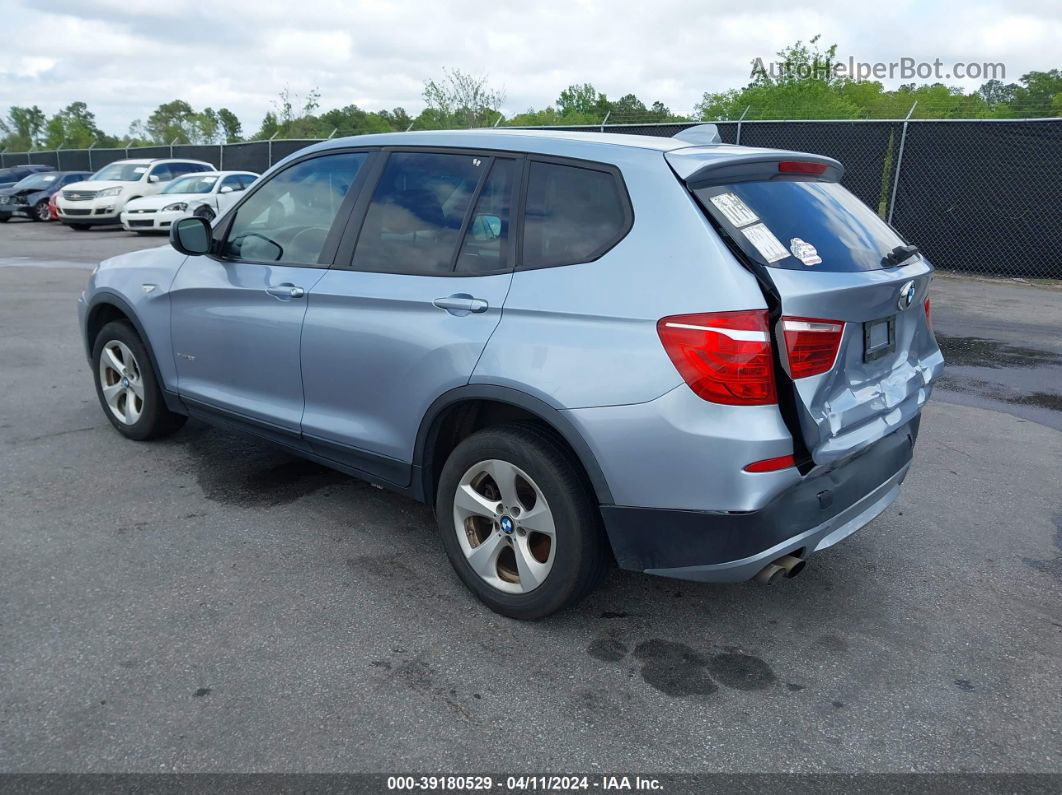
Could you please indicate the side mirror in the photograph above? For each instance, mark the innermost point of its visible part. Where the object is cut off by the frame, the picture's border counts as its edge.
(191, 236)
(486, 227)
(226, 189)
(153, 178)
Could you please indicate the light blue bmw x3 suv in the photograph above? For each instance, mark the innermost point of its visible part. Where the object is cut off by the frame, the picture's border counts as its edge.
(696, 360)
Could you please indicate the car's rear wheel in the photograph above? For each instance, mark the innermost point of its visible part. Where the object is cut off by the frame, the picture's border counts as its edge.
(41, 211)
(127, 386)
(519, 523)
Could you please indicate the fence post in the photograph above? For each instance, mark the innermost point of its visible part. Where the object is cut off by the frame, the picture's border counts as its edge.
(497, 121)
(94, 142)
(171, 147)
(899, 162)
(744, 113)
(221, 156)
(604, 120)
(271, 137)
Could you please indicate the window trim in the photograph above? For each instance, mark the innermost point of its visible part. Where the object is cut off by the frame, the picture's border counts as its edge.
(589, 165)
(344, 258)
(327, 256)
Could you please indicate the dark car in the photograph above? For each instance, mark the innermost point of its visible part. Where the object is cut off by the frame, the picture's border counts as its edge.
(12, 174)
(30, 195)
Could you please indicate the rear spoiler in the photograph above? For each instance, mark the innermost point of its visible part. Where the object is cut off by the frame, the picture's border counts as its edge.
(724, 166)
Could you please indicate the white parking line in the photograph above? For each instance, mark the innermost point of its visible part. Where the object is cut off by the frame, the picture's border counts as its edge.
(32, 262)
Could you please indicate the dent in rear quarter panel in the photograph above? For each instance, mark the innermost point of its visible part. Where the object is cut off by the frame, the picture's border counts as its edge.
(585, 335)
(125, 277)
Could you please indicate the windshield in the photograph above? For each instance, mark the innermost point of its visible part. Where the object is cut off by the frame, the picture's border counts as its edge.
(802, 225)
(37, 181)
(121, 172)
(196, 184)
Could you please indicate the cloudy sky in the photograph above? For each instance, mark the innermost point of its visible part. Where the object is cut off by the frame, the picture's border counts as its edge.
(124, 57)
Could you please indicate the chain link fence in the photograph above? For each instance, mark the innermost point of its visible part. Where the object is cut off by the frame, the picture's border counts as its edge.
(979, 196)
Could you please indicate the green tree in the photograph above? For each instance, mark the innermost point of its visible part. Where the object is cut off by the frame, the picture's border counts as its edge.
(74, 127)
(172, 122)
(23, 127)
(230, 125)
(459, 100)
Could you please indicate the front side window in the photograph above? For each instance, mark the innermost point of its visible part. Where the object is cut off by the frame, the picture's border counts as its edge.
(233, 182)
(573, 215)
(418, 209)
(289, 217)
(162, 172)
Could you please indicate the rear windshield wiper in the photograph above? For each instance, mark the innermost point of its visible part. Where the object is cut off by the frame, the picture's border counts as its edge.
(899, 255)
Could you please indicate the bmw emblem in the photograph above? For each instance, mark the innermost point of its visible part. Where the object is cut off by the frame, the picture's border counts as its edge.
(507, 525)
(907, 296)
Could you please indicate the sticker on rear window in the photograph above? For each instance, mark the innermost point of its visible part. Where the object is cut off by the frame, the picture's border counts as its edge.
(766, 243)
(805, 252)
(736, 211)
(139, 169)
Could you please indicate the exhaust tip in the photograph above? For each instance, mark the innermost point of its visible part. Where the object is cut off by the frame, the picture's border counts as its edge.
(787, 566)
(770, 573)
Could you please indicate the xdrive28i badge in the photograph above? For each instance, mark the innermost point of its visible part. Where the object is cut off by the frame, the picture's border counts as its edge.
(907, 296)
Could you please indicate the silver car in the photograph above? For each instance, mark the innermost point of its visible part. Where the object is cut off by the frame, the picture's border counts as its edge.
(693, 359)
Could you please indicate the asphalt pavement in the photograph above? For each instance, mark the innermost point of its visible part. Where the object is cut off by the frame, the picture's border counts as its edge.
(208, 603)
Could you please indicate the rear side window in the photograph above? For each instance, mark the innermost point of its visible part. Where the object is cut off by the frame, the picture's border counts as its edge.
(800, 225)
(573, 214)
(418, 209)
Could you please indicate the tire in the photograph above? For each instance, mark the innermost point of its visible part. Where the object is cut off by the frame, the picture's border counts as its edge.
(4, 219)
(79, 227)
(41, 212)
(133, 401)
(520, 572)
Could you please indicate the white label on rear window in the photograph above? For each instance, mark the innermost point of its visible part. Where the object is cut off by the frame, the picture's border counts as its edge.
(139, 169)
(765, 242)
(49, 179)
(804, 251)
(736, 211)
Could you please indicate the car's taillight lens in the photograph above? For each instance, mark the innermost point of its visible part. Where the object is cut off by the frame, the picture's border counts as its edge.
(811, 344)
(725, 357)
(929, 314)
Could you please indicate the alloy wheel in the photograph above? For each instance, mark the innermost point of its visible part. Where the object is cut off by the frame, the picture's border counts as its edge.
(43, 213)
(504, 526)
(121, 382)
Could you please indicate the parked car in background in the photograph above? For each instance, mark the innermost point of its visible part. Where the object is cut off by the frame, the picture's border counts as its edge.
(704, 361)
(53, 211)
(101, 198)
(12, 174)
(31, 195)
(210, 207)
(156, 213)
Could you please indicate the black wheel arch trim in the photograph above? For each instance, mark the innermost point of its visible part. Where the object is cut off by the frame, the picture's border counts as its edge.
(554, 418)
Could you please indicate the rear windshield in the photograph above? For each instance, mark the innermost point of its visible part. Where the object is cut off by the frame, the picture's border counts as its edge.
(801, 225)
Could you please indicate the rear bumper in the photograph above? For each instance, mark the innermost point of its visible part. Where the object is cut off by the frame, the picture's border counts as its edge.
(817, 512)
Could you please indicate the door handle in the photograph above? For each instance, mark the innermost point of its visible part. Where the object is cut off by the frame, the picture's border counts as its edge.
(461, 304)
(286, 291)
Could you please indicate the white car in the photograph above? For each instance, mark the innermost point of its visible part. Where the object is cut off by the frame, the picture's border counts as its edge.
(101, 198)
(217, 203)
(156, 213)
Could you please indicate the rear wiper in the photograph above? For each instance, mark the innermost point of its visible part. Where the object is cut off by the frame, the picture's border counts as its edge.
(898, 255)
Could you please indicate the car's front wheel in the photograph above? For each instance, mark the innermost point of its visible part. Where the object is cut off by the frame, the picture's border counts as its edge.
(519, 523)
(127, 386)
(41, 211)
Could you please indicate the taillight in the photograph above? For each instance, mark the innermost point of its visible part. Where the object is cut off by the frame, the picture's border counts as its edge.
(929, 314)
(801, 167)
(725, 357)
(811, 345)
